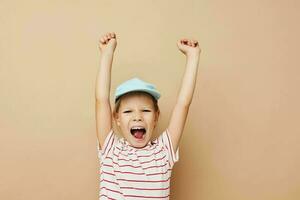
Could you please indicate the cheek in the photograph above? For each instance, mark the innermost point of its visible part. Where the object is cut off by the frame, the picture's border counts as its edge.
(151, 119)
(124, 121)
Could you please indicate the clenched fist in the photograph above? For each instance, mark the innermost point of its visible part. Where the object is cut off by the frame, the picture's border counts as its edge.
(108, 43)
(189, 47)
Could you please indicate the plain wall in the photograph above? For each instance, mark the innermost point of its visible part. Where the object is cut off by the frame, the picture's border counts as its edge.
(241, 139)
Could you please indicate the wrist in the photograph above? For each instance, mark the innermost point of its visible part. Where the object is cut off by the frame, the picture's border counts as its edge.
(193, 55)
(107, 53)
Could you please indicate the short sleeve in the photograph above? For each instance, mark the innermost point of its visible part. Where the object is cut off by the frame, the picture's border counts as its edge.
(109, 142)
(165, 138)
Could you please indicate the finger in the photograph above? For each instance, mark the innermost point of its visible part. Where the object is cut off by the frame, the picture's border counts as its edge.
(179, 43)
(184, 40)
(181, 40)
(102, 40)
(193, 43)
(105, 36)
(112, 35)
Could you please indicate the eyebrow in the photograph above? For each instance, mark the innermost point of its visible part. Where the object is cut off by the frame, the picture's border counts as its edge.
(129, 108)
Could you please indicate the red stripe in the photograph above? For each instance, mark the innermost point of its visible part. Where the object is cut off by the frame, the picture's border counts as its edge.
(147, 181)
(153, 166)
(103, 172)
(116, 183)
(105, 180)
(127, 165)
(153, 160)
(136, 173)
(111, 145)
(130, 173)
(160, 173)
(124, 158)
(121, 159)
(146, 196)
(152, 147)
(134, 188)
(118, 148)
(103, 195)
(138, 155)
(150, 154)
(128, 160)
(104, 150)
(116, 191)
(107, 165)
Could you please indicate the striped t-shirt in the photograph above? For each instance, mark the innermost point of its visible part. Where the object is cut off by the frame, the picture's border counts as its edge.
(131, 173)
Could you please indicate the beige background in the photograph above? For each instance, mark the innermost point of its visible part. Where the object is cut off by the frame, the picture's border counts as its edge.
(241, 140)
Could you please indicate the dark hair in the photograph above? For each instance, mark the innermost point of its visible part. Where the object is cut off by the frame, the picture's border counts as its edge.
(118, 100)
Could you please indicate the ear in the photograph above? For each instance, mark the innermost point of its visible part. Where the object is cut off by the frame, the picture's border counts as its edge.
(116, 117)
(156, 118)
(157, 115)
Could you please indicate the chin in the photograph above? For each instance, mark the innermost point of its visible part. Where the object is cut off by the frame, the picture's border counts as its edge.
(139, 143)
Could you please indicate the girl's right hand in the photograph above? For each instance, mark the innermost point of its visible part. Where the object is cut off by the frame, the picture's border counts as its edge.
(108, 43)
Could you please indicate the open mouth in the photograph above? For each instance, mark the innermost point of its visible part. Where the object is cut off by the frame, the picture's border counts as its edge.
(138, 132)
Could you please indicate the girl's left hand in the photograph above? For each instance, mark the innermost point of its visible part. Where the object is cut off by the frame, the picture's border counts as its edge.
(189, 47)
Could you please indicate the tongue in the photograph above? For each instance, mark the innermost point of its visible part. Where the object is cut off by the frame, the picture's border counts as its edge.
(139, 134)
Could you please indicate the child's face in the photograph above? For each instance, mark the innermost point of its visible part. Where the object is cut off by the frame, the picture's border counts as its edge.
(137, 119)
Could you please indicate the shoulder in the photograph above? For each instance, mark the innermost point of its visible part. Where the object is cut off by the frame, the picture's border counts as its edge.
(165, 140)
(163, 136)
(110, 142)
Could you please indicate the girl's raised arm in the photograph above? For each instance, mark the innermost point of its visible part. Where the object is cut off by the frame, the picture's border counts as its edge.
(176, 125)
(107, 45)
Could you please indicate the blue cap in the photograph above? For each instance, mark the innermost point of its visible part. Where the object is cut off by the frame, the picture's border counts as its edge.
(136, 84)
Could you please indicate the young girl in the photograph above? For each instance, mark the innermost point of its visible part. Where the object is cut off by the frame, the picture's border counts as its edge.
(134, 167)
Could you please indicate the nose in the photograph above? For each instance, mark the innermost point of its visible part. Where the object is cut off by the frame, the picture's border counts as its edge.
(137, 117)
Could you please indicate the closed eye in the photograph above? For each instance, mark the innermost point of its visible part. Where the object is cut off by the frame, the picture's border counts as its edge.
(145, 110)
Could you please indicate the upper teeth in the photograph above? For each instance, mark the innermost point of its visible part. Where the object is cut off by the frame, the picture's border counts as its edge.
(137, 127)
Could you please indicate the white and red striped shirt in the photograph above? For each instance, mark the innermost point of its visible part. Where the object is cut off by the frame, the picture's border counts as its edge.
(131, 173)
